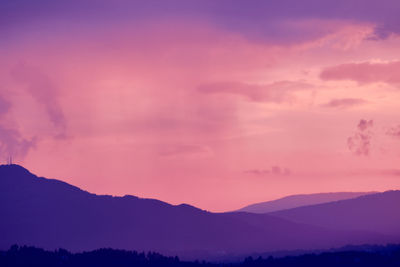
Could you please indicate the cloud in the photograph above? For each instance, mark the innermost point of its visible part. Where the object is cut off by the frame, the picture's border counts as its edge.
(179, 149)
(391, 172)
(379, 172)
(344, 103)
(277, 92)
(4, 106)
(44, 91)
(364, 124)
(394, 131)
(256, 21)
(13, 144)
(11, 141)
(365, 72)
(360, 142)
(274, 170)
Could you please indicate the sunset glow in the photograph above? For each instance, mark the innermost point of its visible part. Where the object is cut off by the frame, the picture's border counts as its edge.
(213, 104)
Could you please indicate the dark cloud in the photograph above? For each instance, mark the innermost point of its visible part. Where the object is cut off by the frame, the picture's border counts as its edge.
(260, 20)
(360, 142)
(344, 103)
(274, 170)
(364, 125)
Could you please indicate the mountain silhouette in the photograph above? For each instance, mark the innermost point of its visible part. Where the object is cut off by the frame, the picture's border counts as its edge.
(379, 213)
(51, 214)
(295, 201)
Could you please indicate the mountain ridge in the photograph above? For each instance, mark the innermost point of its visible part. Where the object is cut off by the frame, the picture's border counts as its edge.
(49, 213)
(298, 200)
(364, 212)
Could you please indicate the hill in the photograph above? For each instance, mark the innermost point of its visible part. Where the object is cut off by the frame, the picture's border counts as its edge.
(51, 214)
(295, 201)
(379, 213)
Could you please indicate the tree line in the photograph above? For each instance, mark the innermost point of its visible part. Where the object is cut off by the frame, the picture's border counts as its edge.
(388, 256)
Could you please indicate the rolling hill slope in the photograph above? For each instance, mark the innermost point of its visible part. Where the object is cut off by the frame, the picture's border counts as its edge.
(295, 201)
(51, 214)
(379, 213)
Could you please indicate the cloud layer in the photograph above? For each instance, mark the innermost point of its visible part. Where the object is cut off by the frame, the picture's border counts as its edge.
(365, 72)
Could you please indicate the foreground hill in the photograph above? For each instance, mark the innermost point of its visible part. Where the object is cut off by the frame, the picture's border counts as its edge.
(379, 213)
(295, 201)
(51, 214)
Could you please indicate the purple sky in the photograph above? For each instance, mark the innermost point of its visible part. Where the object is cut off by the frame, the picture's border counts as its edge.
(214, 103)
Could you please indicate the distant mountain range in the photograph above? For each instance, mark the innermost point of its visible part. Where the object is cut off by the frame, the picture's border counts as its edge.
(51, 214)
(295, 201)
(378, 213)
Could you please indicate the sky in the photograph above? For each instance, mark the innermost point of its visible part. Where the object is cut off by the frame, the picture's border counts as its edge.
(218, 104)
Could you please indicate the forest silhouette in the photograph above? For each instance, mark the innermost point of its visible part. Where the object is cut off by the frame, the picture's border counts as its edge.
(383, 256)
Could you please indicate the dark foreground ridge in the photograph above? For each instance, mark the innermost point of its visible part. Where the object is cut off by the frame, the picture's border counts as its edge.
(52, 214)
(383, 256)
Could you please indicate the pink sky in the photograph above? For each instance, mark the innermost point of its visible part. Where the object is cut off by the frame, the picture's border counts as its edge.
(191, 109)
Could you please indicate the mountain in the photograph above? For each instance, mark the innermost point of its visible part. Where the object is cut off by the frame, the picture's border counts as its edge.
(378, 213)
(50, 214)
(295, 201)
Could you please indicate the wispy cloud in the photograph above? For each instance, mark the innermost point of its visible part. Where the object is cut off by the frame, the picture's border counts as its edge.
(277, 92)
(394, 131)
(378, 172)
(11, 141)
(274, 170)
(366, 72)
(344, 103)
(181, 149)
(13, 144)
(41, 87)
